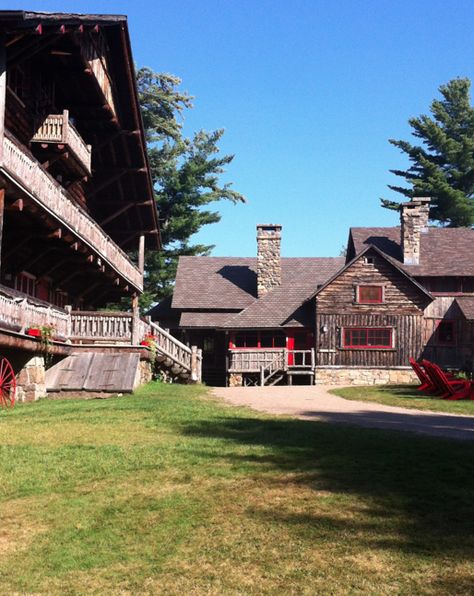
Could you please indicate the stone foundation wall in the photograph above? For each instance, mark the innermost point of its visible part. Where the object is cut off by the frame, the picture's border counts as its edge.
(30, 381)
(361, 375)
(144, 373)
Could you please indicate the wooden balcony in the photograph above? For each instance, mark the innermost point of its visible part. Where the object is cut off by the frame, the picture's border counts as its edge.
(28, 174)
(19, 312)
(57, 129)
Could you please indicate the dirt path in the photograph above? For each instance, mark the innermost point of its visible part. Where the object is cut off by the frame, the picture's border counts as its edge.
(315, 403)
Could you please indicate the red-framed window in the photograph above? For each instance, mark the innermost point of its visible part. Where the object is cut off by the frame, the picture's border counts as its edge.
(257, 339)
(445, 333)
(369, 338)
(369, 294)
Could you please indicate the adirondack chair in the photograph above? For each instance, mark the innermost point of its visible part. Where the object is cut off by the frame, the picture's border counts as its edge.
(427, 385)
(451, 389)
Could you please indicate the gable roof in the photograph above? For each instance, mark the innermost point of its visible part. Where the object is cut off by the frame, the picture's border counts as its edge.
(466, 305)
(443, 251)
(395, 264)
(230, 283)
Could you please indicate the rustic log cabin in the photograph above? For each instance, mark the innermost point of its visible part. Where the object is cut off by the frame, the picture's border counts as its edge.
(400, 292)
(76, 199)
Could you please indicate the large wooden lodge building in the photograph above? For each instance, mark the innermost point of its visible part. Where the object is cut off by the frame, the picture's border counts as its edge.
(76, 199)
(400, 292)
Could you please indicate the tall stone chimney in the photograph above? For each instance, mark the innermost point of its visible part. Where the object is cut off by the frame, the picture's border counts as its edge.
(414, 222)
(268, 257)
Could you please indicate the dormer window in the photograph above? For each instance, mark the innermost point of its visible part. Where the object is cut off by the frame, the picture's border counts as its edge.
(369, 294)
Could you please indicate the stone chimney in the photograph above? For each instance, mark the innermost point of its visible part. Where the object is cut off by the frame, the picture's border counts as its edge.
(269, 261)
(414, 222)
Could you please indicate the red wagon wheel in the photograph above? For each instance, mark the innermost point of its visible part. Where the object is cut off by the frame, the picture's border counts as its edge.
(7, 384)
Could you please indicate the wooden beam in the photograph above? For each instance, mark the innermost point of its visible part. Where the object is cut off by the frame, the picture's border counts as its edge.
(107, 182)
(141, 254)
(15, 206)
(25, 240)
(58, 233)
(116, 214)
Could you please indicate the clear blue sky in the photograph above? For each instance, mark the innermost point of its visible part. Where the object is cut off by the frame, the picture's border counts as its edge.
(308, 92)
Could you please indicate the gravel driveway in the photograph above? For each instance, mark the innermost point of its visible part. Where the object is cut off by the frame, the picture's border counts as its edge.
(316, 403)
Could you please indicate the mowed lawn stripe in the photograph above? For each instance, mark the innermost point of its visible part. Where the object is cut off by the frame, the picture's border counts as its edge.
(169, 491)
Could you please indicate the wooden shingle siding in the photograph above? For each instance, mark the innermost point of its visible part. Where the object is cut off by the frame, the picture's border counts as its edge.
(400, 295)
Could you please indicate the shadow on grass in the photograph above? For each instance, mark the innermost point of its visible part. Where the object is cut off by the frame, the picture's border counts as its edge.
(416, 494)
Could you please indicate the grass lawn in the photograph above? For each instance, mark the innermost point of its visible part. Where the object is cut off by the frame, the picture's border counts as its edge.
(170, 492)
(405, 396)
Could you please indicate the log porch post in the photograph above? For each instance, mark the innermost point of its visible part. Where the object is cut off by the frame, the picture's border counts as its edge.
(141, 254)
(3, 91)
(135, 321)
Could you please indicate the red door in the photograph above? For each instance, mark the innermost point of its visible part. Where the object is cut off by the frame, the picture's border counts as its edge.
(290, 345)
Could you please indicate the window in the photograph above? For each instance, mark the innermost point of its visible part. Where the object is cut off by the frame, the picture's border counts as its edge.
(367, 337)
(369, 294)
(258, 339)
(26, 283)
(445, 332)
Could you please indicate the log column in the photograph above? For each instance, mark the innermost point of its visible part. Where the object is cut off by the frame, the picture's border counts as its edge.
(3, 91)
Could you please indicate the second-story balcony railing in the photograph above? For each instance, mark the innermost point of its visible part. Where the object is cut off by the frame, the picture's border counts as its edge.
(28, 173)
(58, 129)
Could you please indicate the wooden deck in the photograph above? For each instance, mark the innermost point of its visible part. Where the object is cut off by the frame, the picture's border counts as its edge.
(273, 365)
(89, 329)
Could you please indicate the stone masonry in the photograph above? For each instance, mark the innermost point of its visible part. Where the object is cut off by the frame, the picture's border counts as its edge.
(268, 258)
(414, 221)
(31, 384)
(362, 375)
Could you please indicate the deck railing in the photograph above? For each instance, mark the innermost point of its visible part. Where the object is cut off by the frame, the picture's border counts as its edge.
(92, 326)
(29, 174)
(57, 128)
(253, 360)
(19, 313)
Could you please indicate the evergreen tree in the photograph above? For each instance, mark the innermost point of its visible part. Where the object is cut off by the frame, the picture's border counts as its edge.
(185, 175)
(443, 166)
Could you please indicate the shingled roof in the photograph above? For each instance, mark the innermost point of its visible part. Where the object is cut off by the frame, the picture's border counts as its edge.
(229, 284)
(443, 251)
(466, 304)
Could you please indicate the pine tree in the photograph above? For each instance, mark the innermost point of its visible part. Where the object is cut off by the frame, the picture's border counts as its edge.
(185, 175)
(443, 166)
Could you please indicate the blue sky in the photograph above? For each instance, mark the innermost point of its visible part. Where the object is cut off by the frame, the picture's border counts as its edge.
(308, 92)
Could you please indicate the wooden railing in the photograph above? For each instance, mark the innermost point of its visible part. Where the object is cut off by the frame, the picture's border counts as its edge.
(253, 360)
(53, 198)
(92, 326)
(57, 128)
(18, 313)
(271, 359)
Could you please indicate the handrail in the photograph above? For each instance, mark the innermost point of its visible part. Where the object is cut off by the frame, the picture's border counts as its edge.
(29, 173)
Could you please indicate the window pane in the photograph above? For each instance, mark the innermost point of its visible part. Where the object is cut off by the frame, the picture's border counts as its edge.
(368, 337)
(370, 294)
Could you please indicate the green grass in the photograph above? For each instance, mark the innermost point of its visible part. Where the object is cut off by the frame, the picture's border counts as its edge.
(171, 492)
(405, 396)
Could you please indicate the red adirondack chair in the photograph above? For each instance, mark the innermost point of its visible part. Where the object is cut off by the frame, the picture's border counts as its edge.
(452, 389)
(427, 385)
